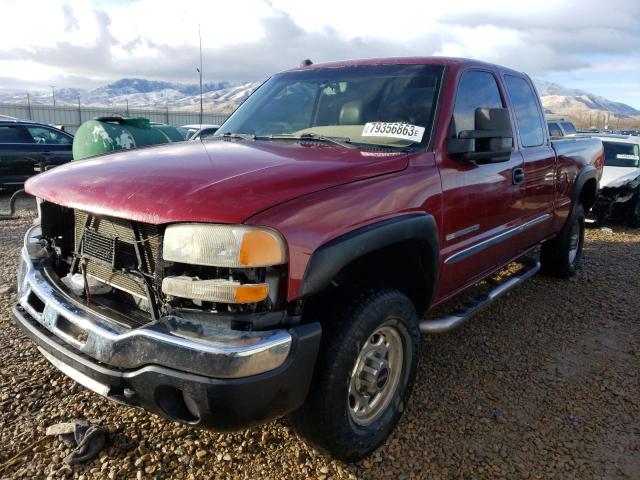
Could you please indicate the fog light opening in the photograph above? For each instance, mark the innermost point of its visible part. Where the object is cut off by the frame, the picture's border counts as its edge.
(177, 404)
(35, 302)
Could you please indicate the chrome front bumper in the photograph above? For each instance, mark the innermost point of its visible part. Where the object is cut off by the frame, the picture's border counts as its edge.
(171, 342)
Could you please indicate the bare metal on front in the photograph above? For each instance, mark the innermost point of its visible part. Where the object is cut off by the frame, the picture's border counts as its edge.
(215, 352)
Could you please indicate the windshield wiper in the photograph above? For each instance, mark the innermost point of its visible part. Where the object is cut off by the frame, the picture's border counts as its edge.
(243, 136)
(341, 141)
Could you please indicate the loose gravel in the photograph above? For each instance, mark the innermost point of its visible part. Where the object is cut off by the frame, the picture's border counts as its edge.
(542, 384)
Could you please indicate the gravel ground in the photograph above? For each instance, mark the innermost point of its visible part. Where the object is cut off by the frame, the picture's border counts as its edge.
(542, 384)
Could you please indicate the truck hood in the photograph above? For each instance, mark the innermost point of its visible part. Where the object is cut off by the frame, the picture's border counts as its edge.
(224, 181)
(614, 177)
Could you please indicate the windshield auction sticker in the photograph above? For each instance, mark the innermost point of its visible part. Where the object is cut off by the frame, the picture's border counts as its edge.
(404, 131)
(624, 156)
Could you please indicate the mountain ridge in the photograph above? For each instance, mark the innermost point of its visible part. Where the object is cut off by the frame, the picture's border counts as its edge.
(561, 100)
(225, 96)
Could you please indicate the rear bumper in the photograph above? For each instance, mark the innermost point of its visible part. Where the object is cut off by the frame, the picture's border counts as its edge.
(218, 404)
(206, 375)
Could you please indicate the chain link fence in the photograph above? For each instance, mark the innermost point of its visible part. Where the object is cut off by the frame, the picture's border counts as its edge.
(71, 117)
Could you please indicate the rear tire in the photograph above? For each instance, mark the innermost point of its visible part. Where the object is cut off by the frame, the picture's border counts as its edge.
(634, 216)
(364, 375)
(561, 256)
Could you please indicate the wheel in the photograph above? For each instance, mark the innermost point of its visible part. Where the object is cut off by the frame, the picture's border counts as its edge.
(364, 376)
(634, 216)
(561, 256)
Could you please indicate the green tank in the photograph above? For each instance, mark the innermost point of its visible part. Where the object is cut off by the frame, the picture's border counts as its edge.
(108, 134)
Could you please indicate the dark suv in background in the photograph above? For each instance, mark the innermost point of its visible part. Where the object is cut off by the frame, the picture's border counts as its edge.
(27, 146)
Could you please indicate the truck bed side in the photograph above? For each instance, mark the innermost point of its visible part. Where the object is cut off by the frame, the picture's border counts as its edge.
(578, 171)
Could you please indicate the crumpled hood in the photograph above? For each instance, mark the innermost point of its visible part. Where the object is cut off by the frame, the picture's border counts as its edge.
(613, 177)
(224, 181)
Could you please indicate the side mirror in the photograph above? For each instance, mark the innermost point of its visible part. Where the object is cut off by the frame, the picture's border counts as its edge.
(490, 141)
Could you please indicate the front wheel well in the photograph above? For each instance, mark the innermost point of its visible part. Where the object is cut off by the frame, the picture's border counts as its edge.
(405, 266)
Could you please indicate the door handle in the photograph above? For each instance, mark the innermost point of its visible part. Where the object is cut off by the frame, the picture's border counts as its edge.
(517, 175)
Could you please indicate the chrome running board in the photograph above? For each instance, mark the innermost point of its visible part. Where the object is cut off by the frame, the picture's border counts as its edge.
(457, 318)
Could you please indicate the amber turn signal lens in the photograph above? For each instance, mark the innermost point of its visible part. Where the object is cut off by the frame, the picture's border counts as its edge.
(260, 247)
(216, 290)
(251, 293)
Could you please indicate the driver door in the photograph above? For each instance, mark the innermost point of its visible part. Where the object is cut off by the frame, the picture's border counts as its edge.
(482, 202)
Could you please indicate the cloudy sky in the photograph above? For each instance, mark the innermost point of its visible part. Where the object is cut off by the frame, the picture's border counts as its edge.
(589, 44)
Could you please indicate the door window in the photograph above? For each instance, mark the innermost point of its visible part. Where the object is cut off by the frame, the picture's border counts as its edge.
(526, 109)
(13, 134)
(48, 136)
(477, 89)
(554, 130)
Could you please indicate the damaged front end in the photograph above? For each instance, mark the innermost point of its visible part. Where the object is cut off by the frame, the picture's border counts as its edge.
(207, 345)
(619, 201)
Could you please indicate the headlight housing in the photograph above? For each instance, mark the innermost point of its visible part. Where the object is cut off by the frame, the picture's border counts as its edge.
(219, 290)
(233, 246)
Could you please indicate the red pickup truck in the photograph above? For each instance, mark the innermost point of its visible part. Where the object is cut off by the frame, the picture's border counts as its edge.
(283, 266)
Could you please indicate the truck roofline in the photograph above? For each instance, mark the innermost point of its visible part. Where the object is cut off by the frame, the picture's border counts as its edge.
(457, 62)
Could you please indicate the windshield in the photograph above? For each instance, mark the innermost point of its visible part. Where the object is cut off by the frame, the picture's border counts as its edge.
(618, 154)
(381, 105)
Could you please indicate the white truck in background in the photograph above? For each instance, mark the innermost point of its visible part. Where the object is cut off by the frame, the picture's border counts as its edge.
(619, 193)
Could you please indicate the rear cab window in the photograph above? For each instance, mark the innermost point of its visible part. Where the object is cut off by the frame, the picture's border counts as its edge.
(568, 128)
(525, 106)
(14, 134)
(618, 154)
(554, 129)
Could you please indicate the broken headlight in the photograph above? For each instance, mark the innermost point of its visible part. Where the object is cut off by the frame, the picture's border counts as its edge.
(246, 252)
(234, 246)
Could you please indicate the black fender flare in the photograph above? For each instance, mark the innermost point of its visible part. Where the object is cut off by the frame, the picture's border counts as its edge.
(587, 172)
(333, 256)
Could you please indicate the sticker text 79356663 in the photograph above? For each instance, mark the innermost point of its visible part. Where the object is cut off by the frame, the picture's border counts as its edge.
(404, 131)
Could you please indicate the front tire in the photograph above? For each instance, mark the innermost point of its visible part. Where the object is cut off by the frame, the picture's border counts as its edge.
(561, 256)
(364, 376)
(634, 215)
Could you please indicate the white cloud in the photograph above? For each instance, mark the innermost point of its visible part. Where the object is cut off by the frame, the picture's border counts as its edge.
(68, 40)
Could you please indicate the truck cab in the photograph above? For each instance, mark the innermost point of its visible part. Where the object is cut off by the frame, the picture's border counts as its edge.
(283, 266)
(561, 128)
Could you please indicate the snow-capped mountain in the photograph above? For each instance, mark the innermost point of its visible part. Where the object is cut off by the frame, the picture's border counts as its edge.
(224, 97)
(141, 93)
(568, 101)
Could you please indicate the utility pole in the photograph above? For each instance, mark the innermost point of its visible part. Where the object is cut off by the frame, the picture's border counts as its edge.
(29, 106)
(200, 72)
(53, 94)
(79, 112)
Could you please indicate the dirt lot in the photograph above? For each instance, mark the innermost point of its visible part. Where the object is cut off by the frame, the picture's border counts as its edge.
(543, 384)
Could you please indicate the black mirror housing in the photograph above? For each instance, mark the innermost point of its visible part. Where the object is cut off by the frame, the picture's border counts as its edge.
(497, 119)
(491, 140)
